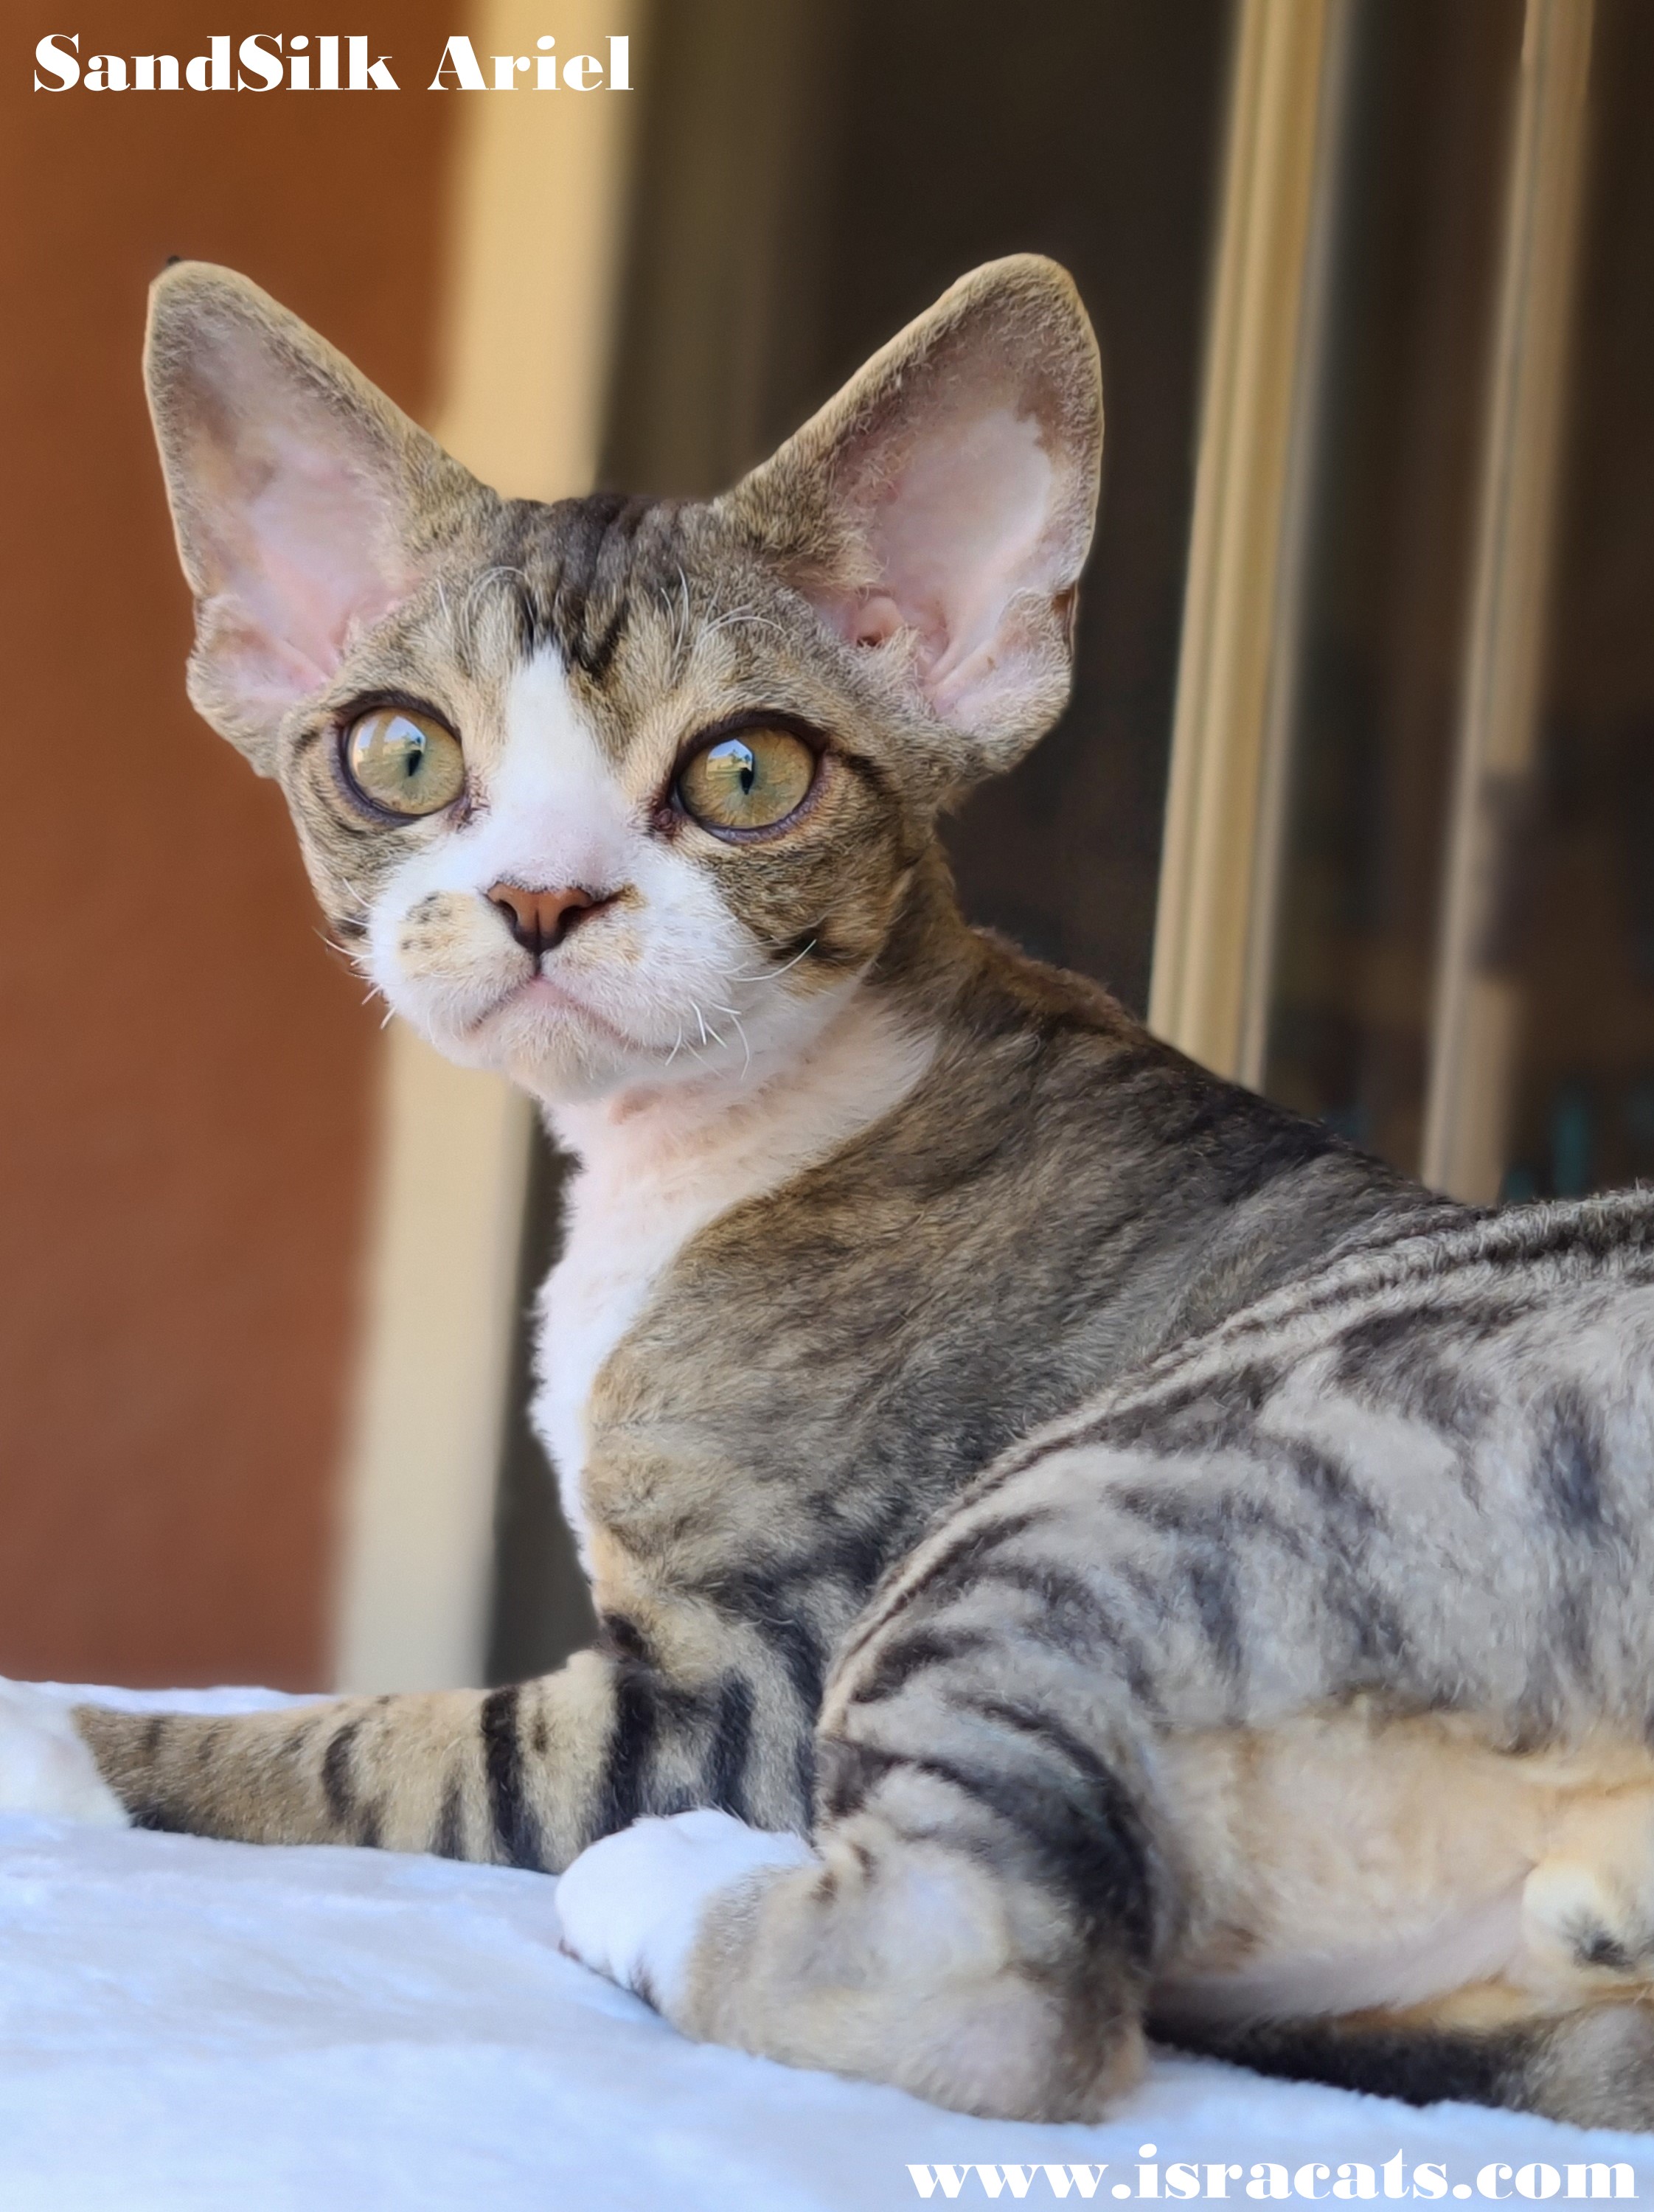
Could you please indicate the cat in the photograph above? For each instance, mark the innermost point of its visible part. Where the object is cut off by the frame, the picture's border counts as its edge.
(1080, 1551)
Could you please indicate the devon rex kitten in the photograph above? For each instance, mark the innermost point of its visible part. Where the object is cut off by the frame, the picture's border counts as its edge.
(1173, 1570)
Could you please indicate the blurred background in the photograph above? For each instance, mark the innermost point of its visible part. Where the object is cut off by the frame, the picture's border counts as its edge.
(1354, 800)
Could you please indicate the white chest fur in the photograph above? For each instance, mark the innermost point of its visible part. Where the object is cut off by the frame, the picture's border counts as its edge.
(653, 1171)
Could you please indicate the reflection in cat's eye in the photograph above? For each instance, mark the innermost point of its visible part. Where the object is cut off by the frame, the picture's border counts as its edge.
(750, 780)
(406, 763)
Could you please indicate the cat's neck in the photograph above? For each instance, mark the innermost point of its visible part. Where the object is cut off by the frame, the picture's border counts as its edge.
(737, 1132)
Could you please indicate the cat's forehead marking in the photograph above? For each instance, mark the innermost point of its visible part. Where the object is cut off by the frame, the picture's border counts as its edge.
(575, 573)
(660, 618)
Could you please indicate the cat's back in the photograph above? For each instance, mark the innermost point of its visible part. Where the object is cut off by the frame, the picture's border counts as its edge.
(1061, 1173)
(1470, 1376)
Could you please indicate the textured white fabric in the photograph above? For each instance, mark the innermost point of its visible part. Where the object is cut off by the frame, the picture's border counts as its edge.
(186, 2025)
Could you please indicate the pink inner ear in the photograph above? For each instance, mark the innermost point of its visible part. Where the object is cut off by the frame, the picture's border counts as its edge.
(305, 557)
(283, 481)
(872, 621)
(960, 526)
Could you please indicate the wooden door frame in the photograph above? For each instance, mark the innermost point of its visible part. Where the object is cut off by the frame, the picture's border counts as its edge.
(1242, 646)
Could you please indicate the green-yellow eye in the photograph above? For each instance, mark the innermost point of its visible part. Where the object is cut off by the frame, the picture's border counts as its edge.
(751, 781)
(408, 763)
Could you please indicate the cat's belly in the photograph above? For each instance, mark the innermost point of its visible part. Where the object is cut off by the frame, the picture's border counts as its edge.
(1341, 1862)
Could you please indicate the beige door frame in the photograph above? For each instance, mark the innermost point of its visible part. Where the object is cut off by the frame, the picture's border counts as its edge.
(1214, 919)
(1221, 859)
(1473, 1031)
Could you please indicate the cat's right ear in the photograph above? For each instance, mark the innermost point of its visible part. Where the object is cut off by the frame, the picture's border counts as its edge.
(306, 505)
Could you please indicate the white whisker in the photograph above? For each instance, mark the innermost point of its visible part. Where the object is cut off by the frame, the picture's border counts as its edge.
(484, 577)
(729, 621)
(774, 975)
(741, 1033)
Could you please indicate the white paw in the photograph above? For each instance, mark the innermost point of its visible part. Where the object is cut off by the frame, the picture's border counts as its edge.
(631, 1906)
(45, 1767)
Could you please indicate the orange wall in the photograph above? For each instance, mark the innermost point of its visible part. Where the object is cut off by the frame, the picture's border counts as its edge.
(185, 1076)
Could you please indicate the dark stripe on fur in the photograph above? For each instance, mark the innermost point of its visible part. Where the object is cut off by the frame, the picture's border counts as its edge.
(449, 1841)
(915, 1652)
(338, 1786)
(1083, 1834)
(620, 1796)
(578, 598)
(731, 1746)
(619, 1635)
(1210, 1581)
(1569, 1462)
(955, 1562)
(516, 1827)
(1074, 1619)
(769, 1601)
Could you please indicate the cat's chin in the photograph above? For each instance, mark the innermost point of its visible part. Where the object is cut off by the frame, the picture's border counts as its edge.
(543, 1009)
(547, 1042)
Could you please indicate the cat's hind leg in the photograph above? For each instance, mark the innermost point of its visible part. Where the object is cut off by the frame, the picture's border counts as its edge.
(903, 1958)
(921, 1942)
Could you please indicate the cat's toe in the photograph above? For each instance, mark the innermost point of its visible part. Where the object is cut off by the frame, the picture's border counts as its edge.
(631, 1905)
(1588, 1909)
(45, 1766)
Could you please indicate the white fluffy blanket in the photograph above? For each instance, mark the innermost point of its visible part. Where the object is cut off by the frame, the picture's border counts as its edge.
(186, 2024)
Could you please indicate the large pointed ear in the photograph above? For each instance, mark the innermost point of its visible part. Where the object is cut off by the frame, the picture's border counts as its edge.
(306, 505)
(940, 507)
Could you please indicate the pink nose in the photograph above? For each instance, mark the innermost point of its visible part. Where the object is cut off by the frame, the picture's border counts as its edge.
(539, 919)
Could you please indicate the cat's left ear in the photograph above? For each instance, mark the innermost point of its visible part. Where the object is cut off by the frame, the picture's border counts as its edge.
(940, 509)
(306, 505)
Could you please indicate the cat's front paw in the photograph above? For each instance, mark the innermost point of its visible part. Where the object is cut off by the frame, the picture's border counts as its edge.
(632, 1906)
(45, 1766)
